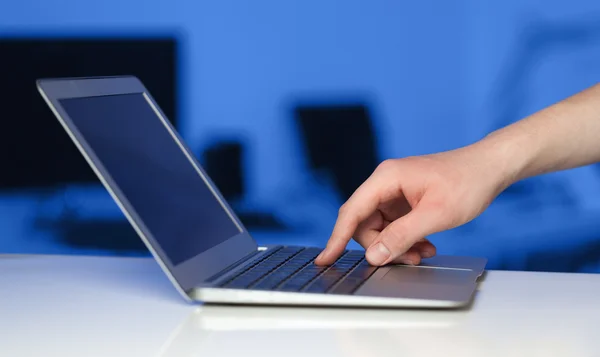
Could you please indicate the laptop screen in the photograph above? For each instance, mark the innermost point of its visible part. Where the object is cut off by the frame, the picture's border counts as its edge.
(172, 199)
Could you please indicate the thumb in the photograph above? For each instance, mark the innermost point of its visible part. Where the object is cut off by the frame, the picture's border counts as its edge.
(399, 236)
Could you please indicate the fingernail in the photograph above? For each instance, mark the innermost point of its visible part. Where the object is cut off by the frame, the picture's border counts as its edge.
(320, 255)
(407, 262)
(378, 254)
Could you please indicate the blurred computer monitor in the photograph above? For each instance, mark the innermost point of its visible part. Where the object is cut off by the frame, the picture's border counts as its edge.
(340, 142)
(35, 152)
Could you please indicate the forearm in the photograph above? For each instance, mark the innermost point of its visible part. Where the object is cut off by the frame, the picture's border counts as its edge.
(562, 136)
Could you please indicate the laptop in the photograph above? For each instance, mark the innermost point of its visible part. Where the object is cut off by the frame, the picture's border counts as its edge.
(195, 236)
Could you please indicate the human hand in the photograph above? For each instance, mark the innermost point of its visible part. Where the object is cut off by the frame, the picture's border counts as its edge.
(405, 200)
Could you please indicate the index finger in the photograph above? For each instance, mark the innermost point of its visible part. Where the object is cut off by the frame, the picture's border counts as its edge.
(359, 207)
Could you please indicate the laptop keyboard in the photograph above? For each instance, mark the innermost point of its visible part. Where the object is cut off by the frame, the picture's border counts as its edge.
(292, 269)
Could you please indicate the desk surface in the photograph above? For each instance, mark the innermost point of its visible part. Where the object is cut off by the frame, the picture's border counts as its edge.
(88, 306)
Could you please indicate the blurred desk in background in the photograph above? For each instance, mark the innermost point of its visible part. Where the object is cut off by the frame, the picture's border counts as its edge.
(553, 238)
(108, 306)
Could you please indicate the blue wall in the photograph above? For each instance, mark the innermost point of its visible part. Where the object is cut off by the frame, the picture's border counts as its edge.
(243, 60)
(440, 74)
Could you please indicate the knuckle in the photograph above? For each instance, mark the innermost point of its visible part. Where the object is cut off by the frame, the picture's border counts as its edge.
(343, 210)
(387, 165)
(441, 206)
(395, 239)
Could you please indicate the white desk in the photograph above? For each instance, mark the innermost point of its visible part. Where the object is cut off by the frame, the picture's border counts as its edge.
(87, 306)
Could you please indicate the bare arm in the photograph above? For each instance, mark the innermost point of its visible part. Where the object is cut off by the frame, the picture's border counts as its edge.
(407, 199)
(562, 136)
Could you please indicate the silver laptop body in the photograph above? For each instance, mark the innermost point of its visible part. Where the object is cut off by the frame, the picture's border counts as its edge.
(195, 236)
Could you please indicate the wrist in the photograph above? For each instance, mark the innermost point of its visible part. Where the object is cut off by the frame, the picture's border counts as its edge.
(506, 157)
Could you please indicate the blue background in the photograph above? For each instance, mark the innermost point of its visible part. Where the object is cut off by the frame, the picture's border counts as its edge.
(437, 75)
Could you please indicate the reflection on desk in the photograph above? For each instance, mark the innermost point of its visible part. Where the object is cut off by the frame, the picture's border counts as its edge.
(85, 306)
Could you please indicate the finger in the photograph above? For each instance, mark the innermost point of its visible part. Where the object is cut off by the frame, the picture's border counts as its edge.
(395, 208)
(410, 257)
(426, 248)
(368, 230)
(366, 238)
(420, 250)
(416, 253)
(398, 237)
(359, 207)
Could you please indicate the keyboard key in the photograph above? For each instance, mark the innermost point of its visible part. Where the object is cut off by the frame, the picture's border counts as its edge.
(323, 283)
(236, 284)
(296, 283)
(347, 286)
(349, 272)
(286, 271)
(362, 271)
(262, 268)
(317, 287)
(293, 269)
(265, 285)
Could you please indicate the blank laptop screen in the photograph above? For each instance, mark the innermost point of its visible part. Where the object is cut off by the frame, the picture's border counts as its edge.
(153, 173)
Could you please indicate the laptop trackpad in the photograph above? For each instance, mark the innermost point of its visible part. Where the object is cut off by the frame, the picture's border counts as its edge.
(426, 275)
(420, 282)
